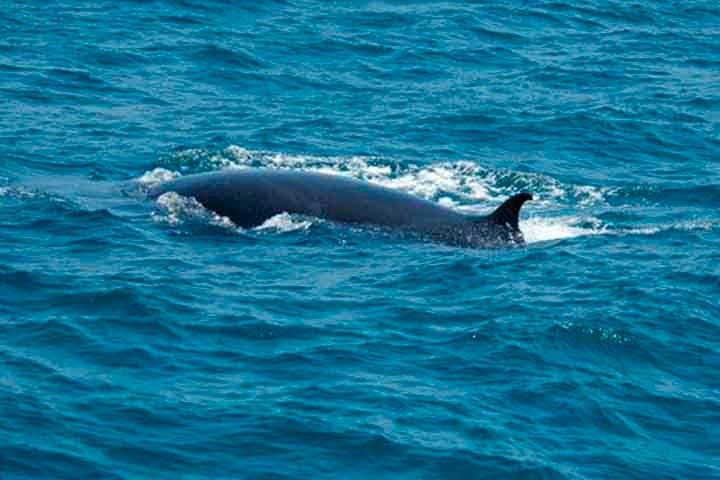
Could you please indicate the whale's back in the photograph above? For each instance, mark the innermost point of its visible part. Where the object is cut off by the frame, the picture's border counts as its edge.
(250, 196)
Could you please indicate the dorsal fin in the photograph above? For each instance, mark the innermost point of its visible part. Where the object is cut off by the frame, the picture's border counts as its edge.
(507, 213)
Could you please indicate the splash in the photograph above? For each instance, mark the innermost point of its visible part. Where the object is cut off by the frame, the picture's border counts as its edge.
(454, 183)
(459, 180)
(179, 210)
(541, 229)
(157, 176)
(284, 223)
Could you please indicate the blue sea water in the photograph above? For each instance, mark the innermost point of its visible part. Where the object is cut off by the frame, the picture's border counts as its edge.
(145, 338)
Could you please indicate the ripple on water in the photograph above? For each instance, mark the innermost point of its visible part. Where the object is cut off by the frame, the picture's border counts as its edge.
(150, 338)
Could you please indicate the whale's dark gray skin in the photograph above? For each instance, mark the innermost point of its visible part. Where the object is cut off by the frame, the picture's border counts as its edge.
(250, 196)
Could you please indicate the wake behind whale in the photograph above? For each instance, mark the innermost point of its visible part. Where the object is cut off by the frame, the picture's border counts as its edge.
(249, 197)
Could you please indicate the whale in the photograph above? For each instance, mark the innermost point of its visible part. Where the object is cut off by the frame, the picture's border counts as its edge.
(250, 196)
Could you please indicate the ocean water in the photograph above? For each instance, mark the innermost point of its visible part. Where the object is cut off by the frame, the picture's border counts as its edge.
(145, 338)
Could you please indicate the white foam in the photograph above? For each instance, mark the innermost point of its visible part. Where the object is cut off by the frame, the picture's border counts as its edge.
(179, 209)
(239, 153)
(283, 223)
(695, 225)
(446, 202)
(588, 195)
(689, 226)
(157, 176)
(643, 230)
(17, 193)
(438, 180)
(542, 229)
